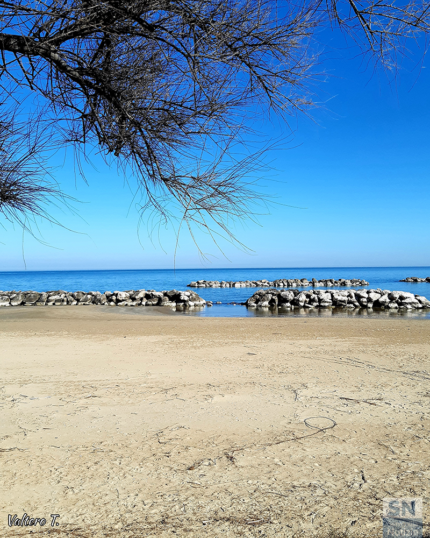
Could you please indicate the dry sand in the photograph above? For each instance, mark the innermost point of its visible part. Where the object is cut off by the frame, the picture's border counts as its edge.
(134, 425)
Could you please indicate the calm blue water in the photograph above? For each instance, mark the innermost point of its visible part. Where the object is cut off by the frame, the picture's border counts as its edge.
(166, 279)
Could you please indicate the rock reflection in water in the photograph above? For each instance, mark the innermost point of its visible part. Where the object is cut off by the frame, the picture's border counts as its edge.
(342, 312)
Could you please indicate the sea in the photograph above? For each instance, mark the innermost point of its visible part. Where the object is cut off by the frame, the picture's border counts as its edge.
(386, 278)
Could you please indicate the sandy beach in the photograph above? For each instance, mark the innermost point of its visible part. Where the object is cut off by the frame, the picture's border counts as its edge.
(128, 424)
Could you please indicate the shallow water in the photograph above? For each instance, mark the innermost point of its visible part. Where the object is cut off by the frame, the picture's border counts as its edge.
(239, 311)
(165, 279)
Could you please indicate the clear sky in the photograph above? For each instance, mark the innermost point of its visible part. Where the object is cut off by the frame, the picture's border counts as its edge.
(357, 174)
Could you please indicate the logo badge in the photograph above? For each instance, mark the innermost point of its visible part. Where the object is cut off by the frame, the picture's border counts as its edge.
(403, 517)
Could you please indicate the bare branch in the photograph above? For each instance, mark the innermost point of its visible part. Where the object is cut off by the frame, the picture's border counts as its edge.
(153, 83)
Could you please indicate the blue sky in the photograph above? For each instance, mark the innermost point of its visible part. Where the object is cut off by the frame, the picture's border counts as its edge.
(357, 176)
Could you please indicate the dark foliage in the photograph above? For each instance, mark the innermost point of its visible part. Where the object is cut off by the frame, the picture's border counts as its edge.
(26, 190)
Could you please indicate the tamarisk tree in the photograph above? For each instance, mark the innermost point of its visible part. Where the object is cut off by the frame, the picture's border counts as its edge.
(155, 85)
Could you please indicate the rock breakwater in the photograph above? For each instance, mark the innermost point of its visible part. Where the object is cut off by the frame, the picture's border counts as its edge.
(280, 283)
(415, 279)
(374, 298)
(173, 298)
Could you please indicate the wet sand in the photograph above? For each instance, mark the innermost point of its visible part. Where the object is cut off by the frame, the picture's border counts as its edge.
(131, 424)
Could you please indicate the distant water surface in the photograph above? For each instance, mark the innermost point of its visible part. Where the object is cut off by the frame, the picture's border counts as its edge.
(166, 279)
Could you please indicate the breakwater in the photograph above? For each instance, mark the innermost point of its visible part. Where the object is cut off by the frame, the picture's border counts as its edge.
(416, 279)
(280, 283)
(179, 299)
(374, 298)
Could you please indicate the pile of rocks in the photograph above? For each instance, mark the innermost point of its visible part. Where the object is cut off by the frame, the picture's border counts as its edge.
(416, 279)
(383, 299)
(281, 283)
(179, 299)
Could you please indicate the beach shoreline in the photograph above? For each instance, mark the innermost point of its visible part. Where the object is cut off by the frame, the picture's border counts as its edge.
(160, 425)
